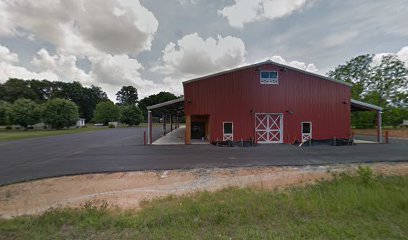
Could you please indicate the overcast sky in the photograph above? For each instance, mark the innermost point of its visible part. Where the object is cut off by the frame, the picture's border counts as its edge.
(154, 45)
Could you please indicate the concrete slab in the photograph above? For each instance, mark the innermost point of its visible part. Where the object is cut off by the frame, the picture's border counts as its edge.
(199, 141)
(359, 141)
(175, 137)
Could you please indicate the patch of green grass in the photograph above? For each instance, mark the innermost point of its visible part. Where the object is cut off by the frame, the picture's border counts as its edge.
(12, 135)
(345, 208)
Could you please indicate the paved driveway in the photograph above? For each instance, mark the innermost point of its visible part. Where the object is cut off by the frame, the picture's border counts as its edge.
(123, 150)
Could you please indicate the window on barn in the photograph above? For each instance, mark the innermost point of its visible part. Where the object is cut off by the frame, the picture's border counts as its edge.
(228, 131)
(269, 77)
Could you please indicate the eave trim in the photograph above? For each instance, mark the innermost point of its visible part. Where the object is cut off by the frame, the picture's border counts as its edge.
(366, 105)
(165, 103)
(263, 63)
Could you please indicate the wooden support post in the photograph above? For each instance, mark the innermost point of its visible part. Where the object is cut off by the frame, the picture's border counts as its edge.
(144, 138)
(171, 122)
(149, 128)
(188, 130)
(379, 123)
(164, 124)
(386, 137)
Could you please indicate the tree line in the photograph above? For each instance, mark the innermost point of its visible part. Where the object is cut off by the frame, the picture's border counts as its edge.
(61, 104)
(40, 91)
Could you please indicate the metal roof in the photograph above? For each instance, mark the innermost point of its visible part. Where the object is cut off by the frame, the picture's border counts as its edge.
(267, 62)
(364, 106)
(165, 104)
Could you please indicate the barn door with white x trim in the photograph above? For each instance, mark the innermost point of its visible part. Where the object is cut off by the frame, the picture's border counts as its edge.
(268, 127)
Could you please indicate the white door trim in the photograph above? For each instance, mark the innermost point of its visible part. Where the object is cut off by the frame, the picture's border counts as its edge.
(228, 136)
(266, 132)
(306, 136)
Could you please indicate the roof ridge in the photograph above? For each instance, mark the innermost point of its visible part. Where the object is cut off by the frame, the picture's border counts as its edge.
(268, 61)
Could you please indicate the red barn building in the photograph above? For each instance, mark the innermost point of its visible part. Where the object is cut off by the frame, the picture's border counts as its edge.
(265, 103)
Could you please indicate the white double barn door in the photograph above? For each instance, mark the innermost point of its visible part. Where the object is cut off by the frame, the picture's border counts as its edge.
(269, 127)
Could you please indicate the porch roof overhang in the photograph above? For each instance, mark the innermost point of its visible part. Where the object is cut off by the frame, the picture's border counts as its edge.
(172, 106)
(357, 106)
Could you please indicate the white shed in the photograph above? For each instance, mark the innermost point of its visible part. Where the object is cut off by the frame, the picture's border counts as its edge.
(80, 122)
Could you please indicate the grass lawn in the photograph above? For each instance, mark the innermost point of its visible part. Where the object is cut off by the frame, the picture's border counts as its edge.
(10, 135)
(345, 208)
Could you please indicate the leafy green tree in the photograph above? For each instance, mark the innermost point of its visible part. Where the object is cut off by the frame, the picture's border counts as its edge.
(394, 116)
(60, 113)
(106, 112)
(131, 114)
(42, 90)
(356, 71)
(91, 97)
(85, 98)
(155, 99)
(4, 112)
(15, 89)
(388, 81)
(383, 84)
(127, 95)
(25, 112)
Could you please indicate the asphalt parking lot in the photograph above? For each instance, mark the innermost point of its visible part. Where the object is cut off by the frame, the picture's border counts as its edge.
(122, 149)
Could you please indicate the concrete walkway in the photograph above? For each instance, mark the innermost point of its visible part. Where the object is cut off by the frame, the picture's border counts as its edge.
(359, 141)
(174, 137)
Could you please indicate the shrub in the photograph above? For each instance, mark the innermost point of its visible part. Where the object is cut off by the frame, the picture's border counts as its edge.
(106, 112)
(366, 174)
(112, 126)
(60, 113)
(4, 113)
(25, 112)
(131, 115)
(9, 127)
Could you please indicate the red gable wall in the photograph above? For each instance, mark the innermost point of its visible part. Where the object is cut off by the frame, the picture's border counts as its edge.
(238, 95)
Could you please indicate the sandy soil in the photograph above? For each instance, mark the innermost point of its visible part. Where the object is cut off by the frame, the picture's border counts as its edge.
(129, 189)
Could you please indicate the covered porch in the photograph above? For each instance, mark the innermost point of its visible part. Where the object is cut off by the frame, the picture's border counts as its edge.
(358, 106)
(170, 111)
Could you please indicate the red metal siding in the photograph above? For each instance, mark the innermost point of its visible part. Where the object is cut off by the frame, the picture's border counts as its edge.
(237, 96)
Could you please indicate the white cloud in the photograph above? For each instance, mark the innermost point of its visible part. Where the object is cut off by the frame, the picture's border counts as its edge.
(108, 71)
(9, 69)
(63, 66)
(193, 55)
(12, 71)
(105, 33)
(296, 64)
(82, 27)
(246, 11)
(120, 70)
(7, 56)
(402, 55)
